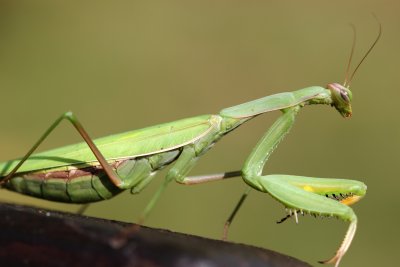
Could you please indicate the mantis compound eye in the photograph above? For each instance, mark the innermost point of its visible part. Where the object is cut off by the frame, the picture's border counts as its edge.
(344, 95)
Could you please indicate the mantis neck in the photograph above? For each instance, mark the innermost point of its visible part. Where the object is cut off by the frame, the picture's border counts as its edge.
(236, 115)
(309, 95)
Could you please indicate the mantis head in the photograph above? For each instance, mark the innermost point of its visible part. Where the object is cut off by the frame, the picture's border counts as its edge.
(341, 98)
(341, 94)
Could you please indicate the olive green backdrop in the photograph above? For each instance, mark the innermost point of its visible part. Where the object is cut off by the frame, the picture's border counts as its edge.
(122, 65)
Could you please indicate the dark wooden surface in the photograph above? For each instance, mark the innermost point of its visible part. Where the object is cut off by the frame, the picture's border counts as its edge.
(37, 237)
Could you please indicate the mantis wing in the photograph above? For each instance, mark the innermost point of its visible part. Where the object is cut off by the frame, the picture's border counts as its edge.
(141, 142)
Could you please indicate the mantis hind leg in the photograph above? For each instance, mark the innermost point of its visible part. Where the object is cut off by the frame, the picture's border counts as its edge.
(116, 180)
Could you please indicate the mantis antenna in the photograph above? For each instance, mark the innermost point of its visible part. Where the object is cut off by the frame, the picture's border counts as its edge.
(347, 80)
(351, 55)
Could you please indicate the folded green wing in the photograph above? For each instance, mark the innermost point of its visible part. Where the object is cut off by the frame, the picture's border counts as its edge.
(141, 142)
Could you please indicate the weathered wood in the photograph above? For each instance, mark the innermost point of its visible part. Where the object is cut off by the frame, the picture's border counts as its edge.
(37, 237)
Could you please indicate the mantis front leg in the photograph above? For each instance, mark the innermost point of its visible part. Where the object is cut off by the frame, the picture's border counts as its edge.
(322, 197)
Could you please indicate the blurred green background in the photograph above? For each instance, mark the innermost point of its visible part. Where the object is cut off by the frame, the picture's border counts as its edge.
(122, 65)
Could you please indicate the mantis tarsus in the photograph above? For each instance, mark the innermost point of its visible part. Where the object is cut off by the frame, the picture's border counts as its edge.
(96, 170)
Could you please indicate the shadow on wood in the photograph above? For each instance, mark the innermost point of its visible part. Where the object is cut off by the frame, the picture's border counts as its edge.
(36, 237)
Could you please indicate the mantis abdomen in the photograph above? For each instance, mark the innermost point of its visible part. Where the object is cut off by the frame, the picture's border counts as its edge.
(89, 183)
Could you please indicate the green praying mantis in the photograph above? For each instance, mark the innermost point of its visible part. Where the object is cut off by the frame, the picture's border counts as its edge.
(96, 170)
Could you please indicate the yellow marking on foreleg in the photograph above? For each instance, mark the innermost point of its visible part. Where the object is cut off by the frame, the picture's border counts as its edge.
(350, 200)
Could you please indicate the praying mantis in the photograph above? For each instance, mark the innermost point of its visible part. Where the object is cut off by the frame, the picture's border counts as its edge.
(96, 170)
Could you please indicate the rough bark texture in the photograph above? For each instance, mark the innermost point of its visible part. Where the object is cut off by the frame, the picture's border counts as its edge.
(36, 237)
